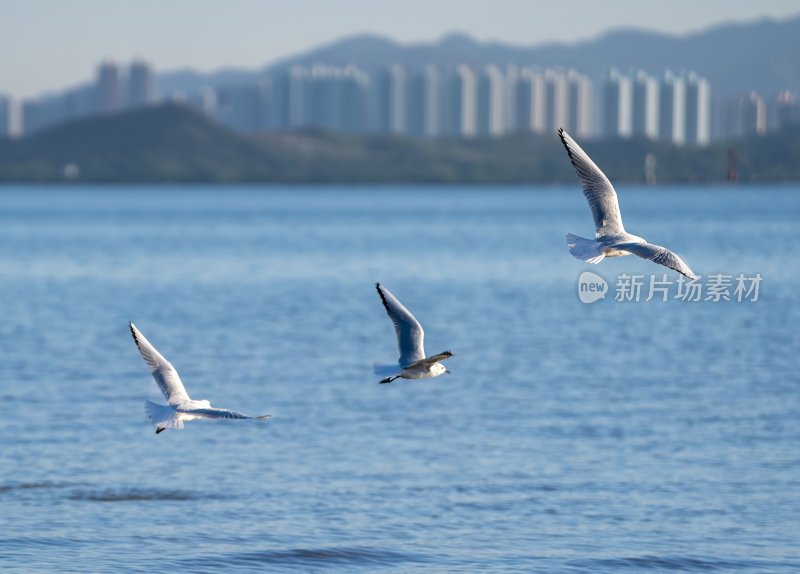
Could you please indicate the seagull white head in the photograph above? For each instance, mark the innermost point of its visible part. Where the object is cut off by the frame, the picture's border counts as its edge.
(438, 369)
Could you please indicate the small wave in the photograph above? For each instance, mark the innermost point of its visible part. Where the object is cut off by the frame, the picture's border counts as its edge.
(31, 486)
(319, 557)
(671, 563)
(136, 494)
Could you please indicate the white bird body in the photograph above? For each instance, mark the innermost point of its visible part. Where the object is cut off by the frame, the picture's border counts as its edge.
(180, 407)
(413, 364)
(611, 239)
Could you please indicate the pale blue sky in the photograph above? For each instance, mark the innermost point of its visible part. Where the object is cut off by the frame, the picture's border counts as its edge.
(49, 45)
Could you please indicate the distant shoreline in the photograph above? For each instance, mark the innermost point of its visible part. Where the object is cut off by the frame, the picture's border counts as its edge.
(173, 144)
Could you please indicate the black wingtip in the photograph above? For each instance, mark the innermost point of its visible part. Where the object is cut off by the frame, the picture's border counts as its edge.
(133, 333)
(562, 134)
(382, 296)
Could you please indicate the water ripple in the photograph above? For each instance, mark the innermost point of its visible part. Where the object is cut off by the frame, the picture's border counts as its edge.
(138, 494)
(319, 557)
(670, 563)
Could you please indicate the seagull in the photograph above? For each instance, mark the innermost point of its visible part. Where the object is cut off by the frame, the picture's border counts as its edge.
(180, 408)
(413, 364)
(612, 239)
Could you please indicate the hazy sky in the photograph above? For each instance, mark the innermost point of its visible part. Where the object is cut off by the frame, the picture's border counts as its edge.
(49, 45)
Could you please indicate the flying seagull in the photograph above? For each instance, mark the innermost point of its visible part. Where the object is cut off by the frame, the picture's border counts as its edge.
(612, 239)
(180, 408)
(413, 364)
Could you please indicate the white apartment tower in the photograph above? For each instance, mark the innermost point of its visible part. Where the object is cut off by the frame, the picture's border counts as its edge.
(461, 103)
(529, 100)
(491, 101)
(579, 93)
(391, 100)
(645, 105)
(425, 102)
(672, 109)
(556, 95)
(618, 105)
(698, 111)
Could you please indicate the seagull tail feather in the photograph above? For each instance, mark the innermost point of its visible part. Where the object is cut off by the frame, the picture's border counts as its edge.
(587, 250)
(162, 416)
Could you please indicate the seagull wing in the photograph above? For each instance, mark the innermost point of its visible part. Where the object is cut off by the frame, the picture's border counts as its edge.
(658, 254)
(433, 359)
(596, 188)
(163, 372)
(215, 413)
(410, 336)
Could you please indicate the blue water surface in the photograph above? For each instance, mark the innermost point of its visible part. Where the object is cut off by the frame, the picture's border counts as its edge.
(606, 437)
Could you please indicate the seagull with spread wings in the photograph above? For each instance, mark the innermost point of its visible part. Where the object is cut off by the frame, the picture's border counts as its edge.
(180, 407)
(611, 238)
(413, 364)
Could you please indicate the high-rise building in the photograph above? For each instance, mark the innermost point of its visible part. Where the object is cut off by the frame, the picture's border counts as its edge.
(298, 94)
(425, 100)
(645, 105)
(290, 99)
(10, 117)
(698, 110)
(787, 109)
(355, 110)
(746, 116)
(326, 96)
(491, 100)
(141, 84)
(672, 109)
(617, 105)
(109, 91)
(510, 88)
(579, 105)
(529, 102)
(556, 97)
(391, 90)
(460, 103)
(329, 97)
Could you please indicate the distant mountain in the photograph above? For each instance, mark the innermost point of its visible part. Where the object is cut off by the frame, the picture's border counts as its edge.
(763, 55)
(173, 143)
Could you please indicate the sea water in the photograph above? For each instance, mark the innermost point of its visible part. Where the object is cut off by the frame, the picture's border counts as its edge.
(612, 436)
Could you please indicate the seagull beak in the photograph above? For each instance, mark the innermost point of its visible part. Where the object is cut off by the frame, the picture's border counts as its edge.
(448, 371)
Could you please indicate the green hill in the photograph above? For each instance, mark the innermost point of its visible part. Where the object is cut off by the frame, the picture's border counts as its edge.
(173, 143)
(164, 143)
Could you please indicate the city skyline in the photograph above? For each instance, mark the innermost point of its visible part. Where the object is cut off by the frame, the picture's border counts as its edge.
(432, 101)
(54, 52)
